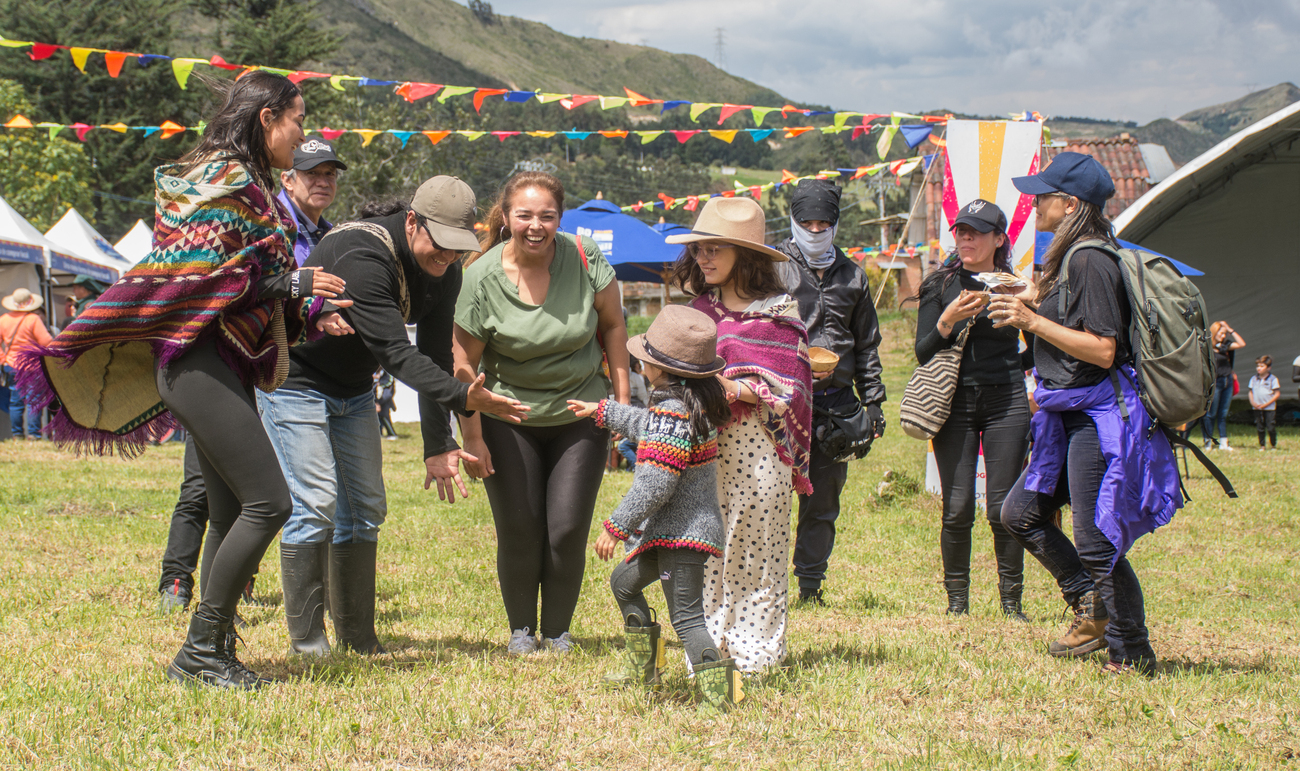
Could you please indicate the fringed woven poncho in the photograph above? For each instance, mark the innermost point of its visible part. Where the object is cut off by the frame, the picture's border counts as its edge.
(216, 234)
(771, 345)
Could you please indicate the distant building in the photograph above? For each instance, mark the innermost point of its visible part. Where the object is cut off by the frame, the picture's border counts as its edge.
(1135, 167)
(644, 298)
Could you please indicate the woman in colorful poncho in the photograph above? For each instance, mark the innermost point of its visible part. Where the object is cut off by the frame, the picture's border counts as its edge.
(763, 453)
(187, 334)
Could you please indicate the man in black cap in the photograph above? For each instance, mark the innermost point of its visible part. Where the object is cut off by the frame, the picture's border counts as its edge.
(307, 191)
(836, 305)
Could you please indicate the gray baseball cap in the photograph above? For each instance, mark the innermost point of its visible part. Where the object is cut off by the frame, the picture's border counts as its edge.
(448, 205)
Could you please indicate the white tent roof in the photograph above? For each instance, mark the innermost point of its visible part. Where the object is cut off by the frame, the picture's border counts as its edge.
(20, 241)
(76, 237)
(136, 244)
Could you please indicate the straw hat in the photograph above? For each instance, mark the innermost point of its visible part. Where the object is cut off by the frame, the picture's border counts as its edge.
(736, 221)
(682, 341)
(22, 300)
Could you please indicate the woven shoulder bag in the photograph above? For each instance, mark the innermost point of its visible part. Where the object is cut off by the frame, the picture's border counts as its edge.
(927, 400)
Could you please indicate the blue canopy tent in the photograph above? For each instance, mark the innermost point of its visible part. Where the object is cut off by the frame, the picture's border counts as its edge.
(636, 251)
(1044, 240)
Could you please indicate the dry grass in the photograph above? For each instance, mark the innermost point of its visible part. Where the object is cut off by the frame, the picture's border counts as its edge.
(880, 679)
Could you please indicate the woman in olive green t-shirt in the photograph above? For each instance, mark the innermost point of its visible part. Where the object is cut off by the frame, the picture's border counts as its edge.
(528, 316)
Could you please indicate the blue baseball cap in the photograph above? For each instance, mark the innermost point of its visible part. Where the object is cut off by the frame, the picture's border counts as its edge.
(1074, 174)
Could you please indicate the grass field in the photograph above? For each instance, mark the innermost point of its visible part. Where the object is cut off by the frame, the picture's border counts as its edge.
(880, 679)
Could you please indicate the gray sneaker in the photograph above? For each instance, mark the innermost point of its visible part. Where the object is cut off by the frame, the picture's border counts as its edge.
(522, 642)
(562, 644)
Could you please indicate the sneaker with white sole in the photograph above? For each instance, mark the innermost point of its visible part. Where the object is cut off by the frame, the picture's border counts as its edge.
(522, 642)
(1223, 445)
(562, 644)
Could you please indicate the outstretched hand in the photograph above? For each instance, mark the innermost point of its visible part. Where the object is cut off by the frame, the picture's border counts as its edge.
(446, 469)
(480, 399)
(333, 323)
(604, 546)
(582, 409)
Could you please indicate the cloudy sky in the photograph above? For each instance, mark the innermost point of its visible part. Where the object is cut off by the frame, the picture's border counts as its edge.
(1115, 59)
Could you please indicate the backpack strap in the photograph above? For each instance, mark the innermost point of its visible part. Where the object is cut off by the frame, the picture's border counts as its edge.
(1063, 275)
(1224, 482)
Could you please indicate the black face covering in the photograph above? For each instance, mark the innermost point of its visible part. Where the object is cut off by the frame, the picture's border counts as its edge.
(815, 199)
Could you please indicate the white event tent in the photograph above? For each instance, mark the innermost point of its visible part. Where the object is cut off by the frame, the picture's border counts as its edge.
(24, 254)
(92, 255)
(136, 244)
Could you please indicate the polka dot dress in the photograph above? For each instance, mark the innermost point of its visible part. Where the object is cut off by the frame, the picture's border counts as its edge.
(745, 591)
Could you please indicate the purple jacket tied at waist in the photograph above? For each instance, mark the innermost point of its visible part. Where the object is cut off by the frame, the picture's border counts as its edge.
(1139, 490)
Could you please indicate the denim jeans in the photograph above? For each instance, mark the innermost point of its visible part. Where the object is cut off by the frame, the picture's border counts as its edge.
(1079, 566)
(627, 448)
(1218, 414)
(17, 403)
(330, 451)
(681, 572)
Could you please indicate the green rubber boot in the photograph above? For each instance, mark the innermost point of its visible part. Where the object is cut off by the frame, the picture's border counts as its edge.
(643, 656)
(719, 681)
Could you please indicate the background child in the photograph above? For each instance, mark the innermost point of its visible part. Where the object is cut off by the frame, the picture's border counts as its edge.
(1264, 391)
(670, 517)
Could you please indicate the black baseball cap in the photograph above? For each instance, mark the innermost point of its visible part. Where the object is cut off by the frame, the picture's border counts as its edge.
(983, 216)
(1074, 174)
(313, 153)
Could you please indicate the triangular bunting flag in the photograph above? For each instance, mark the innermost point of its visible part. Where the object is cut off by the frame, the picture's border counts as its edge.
(182, 68)
(436, 136)
(649, 136)
(725, 136)
(636, 99)
(470, 136)
(758, 135)
(18, 121)
(731, 109)
(42, 51)
(760, 113)
(217, 61)
(81, 129)
(787, 176)
(791, 133)
(404, 136)
(413, 91)
(450, 91)
(576, 101)
(484, 93)
(367, 135)
(79, 56)
(699, 108)
(118, 127)
(113, 62)
(548, 98)
(170, 129)
(682, 136)
(619, 134)
(331, 134)
(542, 134)
(301, 75)
(503, 135)
(610, 102)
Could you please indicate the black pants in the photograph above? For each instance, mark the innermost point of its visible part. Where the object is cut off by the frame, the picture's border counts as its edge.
(998, 417)
(248, 499)
(814, 535)
(1079, 566)
(189, 522)
(681, 572)
(542, 497)
(1266, 422)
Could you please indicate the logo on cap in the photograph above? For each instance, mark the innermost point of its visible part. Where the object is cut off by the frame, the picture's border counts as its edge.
(974, 207)
(314, 146)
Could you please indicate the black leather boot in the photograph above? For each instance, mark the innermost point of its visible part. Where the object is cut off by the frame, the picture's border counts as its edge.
(352, 596)
(302, 568)
(954, 547)
(1010, 557)
(208, 657)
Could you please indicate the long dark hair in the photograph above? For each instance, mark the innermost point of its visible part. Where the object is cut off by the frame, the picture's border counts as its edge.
(939, 280)
(704, 398)
(1087, 221)
(754, 273)
(494, 232)
(235, 131)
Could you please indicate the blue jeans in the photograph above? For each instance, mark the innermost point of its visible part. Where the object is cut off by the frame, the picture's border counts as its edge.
(627, 448)
(330, 453)
(17, 402)
(1079, 566)
(1218, 413)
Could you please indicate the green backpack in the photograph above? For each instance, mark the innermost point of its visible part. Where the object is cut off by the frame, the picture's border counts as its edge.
(1170, 339)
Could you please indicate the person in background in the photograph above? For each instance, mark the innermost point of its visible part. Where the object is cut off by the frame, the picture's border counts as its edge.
(836, 306)
(640, 398)
(307, 190)
(385, 403)
(85, 290)
(1225, 342)
(1264, 393)
(990, 409)
(20, 327)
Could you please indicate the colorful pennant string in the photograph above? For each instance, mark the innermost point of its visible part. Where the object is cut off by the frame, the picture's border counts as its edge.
(412, 91)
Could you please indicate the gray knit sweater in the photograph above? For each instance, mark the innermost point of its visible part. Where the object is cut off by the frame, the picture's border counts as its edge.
(673, 503)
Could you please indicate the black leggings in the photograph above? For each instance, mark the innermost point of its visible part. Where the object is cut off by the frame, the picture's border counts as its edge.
(681, 573)
(1266, 422)
(542, 496)
(248, 499)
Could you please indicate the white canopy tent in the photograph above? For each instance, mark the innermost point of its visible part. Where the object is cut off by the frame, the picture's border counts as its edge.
(1232, 213)
(136, 244)
(24, 254)
(92, 255)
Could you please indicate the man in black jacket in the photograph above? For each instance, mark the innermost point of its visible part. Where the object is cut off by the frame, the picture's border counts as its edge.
(400, 266)
(836, 305)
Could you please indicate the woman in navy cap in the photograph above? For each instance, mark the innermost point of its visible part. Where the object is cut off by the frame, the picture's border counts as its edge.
(989, 406)
(1090, 450)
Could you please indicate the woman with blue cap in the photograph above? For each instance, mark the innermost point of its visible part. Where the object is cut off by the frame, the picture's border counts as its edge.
(1116, 478)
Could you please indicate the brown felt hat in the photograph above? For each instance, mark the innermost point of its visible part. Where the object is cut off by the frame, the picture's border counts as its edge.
(682, 341)
(737, 221)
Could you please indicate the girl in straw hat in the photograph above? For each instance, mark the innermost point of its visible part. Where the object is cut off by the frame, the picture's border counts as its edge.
(763, 452)
(670, 518)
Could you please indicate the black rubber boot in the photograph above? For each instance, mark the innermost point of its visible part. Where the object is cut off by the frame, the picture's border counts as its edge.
(302, 568)
(352, 596)
(1010, 557)
(954, 547)
(208, 657)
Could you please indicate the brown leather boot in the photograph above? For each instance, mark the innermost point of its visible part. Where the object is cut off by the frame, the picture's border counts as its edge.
(1087, 632)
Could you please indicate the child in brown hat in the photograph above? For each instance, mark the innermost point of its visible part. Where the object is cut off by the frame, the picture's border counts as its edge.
(670, 518)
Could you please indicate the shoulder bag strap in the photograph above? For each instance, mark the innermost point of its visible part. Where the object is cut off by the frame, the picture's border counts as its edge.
(380, 232)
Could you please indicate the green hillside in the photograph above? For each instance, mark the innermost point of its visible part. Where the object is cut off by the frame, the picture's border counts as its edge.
(444, 42)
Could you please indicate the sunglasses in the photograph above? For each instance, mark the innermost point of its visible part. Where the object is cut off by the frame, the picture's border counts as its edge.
(708, 251)
(1039, 198)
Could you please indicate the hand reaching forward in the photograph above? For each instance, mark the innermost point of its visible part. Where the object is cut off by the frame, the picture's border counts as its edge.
(446, 469)
(605, 544)
(582, 409)
(480, 399)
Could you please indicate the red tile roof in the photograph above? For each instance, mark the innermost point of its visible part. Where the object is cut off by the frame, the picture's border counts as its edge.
(1122, 158)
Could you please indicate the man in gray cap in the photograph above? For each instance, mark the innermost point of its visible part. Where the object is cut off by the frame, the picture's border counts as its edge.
(400, 265)
(307, 190)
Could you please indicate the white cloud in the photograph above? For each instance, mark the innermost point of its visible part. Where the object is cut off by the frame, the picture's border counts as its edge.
(1122, 59)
